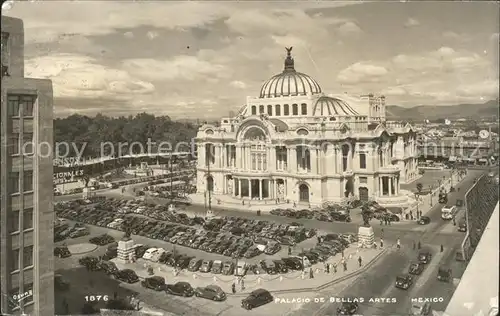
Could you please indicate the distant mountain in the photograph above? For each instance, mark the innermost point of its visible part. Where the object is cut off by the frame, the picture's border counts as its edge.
(430, 112)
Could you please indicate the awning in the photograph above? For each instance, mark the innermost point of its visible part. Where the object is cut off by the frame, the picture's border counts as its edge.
(452, 159)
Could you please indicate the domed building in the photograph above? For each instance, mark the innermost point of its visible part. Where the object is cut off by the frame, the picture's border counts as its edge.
(294, 143)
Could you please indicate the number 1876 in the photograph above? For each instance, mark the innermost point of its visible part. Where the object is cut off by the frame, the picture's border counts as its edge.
(96, 298)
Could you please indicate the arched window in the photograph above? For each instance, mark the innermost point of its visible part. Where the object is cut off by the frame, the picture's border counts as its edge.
(277, 110)
(254, 110)
(270, 110)
(295, 109)
(286, 110)
(303, 109)
(261, 109)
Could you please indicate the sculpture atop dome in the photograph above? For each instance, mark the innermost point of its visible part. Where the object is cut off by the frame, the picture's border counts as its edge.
(289, 63)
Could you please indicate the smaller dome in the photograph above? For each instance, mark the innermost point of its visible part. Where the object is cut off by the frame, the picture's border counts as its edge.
(328, 106)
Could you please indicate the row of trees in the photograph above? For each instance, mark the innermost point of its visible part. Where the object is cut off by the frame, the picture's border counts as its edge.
(78, 133)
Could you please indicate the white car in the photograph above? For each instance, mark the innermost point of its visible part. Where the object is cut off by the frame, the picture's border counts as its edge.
(241, 268)
(150, 253)
(156, 256)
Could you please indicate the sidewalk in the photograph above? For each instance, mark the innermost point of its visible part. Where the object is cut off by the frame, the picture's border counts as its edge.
(227, 202)
(296, 281)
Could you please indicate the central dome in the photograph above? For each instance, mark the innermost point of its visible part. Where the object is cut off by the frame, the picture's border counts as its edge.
(289, 82)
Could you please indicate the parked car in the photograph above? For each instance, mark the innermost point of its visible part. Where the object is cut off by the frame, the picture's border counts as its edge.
(228, 268)
(195, 264)
(444, 274)
(127, 275)
(257, 298)
(150, 253)
(206, 266)
(424, 220)
(211, 292)
(424, 256)
(156, 283)
(293, 263)
(241, 268)
(180, 289)
(216, 267)
(62, 252)
(79, 232)
(416, 268)
(404, 281)
(108, 267)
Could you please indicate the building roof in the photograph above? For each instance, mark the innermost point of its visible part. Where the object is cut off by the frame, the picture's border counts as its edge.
(289, 82)
(477, 292)
(330, 106)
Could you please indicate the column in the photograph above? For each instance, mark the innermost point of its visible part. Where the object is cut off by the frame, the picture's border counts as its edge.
(249, 188)
(320, 160)
(380, 186)
(261, 182)
(314, 160)
(293, 160)
(271, 189)
(234, 186)
(223, 154)
(391, 183)
(238, 156)
(272, 158)
(338, 154)
(201, 155)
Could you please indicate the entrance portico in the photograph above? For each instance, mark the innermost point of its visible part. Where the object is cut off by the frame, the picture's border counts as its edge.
(252, 188)
(388, 185)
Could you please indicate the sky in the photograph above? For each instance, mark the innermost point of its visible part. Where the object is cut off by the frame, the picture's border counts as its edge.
(202, 59)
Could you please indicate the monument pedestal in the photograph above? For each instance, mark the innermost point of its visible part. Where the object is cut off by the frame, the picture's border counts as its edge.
(366, 237)
(126, 251)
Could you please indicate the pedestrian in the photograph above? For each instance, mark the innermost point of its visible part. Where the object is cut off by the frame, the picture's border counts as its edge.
(381, 243)
(398, 244)
(411, 215)
(311, 274)
(360, 261)
(334, 267)
(242, 284)
(289, 250)
(328, 268)
(454, 222)
(414, 245)
(442, 248)
(342, 253)
(294, 204)
(345, 265)
(381, 222)
(233, 288)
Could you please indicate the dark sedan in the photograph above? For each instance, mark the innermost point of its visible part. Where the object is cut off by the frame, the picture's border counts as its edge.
(404, 282)
(257, 298)
(211, 292)
(127, 275)
(62, 252)
(156, 283)
(180, 289)
(424, 220)
(416, 268)
(424, 256)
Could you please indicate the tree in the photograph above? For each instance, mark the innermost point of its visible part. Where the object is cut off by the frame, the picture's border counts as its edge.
(89, 309)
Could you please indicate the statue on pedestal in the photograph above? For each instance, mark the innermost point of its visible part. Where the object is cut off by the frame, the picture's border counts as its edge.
(128, 232)
(367, 216)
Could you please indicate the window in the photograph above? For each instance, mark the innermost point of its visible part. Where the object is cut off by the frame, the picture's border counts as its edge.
(15, 260)
(269, 110)
(254, 110)
(28, 290)
(295, 109)
(27, 102)
(261, 109)
(28, 256)
(13, 105)
(363, 180)
(303, 109)
(13, 221)
(27, 181)
(13, 145)
(13, 184)
(277, 110)
(28, 219)
(362, 161)
(28, 144)
(286, 110)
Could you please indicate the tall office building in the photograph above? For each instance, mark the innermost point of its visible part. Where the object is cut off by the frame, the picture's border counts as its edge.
(26, 190)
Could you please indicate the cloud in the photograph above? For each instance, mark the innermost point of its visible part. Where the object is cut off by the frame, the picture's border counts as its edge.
(238, 84)
(411, 22)
(83, 77)
(394, 91)
(46, 21)
(189, 68)
(348, 28)
(361, 72)
(451, 35)
(128, 34)
(485, 89)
